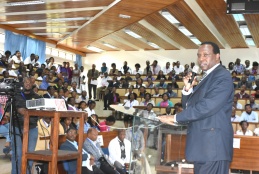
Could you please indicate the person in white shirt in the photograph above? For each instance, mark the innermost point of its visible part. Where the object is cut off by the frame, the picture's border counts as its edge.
(30, 59)
(137, 70)
(125, 68)
(256, 84)
(244, 131)
(37, 62)
(10, 71)
(249, 115)
(82, 97)
(234, 117)
(104, 84)
(155, 68)
(17, 58)
(247, 65)
(167, 69)
(120, 151)
(132, 101)
(178, 68)
(236, 104)
(90, 109)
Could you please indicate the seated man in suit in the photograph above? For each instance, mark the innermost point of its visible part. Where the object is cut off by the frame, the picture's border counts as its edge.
(50, 92)
(244, 82)
(94, 148)
(87, 160)
(119, 151)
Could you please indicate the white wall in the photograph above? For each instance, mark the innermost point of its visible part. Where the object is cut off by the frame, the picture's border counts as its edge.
(162, 56)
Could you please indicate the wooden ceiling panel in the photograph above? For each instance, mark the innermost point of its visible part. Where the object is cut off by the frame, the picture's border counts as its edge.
(48, 16)
(110, 21)
(57, 5)
(253, 25)
(151, 36)
(52, 30)
(170, 30)
(117, 44)
(48, 24)
(225, 24)
(184, 14)
(133, 40)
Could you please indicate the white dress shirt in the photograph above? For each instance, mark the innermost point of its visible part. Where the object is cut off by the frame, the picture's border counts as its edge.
(253, 117)
(179, 70)
(115, 151)
(248, 133)
(28, 61)
(235, 119)
(239, 106)
(15, 59)
(166, 71)
(104, 81)
(139, 71)
(155, 70)
(89, 112)
(131, 104)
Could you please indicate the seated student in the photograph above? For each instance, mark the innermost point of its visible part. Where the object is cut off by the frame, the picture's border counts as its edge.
(90, 109)
(236, 104)
(142, 91)
(67, 123)
(130, 103)
(139, 83)
(160, 75)
(74, 95)
(50, 92)
(177, 108)
(234, 117)
(157, 93)
(137, 70)
(93, 147)
(104, 126)
(76, 121)
(127, 77)
(148, 112)
(242, 94)
(174, 84)
(82, 97)
(249, 115)
(112, 97)
(136, 77)
(58, 85)
(44, 129)
(244, 131)
(254, 105)
(114, 83)
(149, 75)
(71, 104)
(150, 83)
(147, 100)
(256, 94)
(244, 81)
(73, 88)
(82, 106)
(45, 82)
(113, 70)
(170, 91)
(250, 77)
(87, 160)
(93, 121)
(124, 83)
(166, 101)
(256, 131)
(234, 76)
(173, 76)
(120, 152)
(161, 84)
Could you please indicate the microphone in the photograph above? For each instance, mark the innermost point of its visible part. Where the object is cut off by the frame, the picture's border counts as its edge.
(194, 72)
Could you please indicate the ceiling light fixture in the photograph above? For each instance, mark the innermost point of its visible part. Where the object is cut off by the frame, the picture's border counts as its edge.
(133, 34)
(167, 15)
(250, 41)
(95, 49)
(244, 30)
(19, 22)
(153, 45)
(25, 3)
(109, 45)
(195, 40)
(239, 17)
(185, 31)
(72, 19)
(124, 16)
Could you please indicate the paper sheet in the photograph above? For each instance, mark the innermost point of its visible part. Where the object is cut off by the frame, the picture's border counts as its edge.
(236, 143)
(100, 140)
(94, 82)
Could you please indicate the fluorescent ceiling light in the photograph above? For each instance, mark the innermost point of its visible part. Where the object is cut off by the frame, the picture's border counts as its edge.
(19, 22)
(131, 33)
(71, 19)
(244, 30)
(124, 16)
(53, 33)
(109, 45)
(195, 40)
(250, 41)
(169, 17)
(153, 45)
(25, 3)
(238, 17)
(185, 31)
(95, 49)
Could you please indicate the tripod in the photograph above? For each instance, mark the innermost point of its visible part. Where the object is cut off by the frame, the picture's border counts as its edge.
(10, 106)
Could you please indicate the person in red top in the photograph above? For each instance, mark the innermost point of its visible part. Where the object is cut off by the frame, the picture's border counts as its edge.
(105, 125)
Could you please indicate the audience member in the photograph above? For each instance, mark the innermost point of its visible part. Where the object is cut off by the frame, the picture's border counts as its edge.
(90, 110)
(104, 126)
(247, 65)
(161, 75)
(30, 60)
(71, 104)
(166, 101)
(244, 131)
(113, 71)
(167, 69)
(132, 101)
(244, 82)
(249, 115)
(178, 68)
(234, 76)
(157, 93)
(114, 83)
(150, 83)
(173, 76)
(170, 91)
(125, 68)
(82, 97)
(82, 106)
(17, 58)
(93, 147)
(177, 108)
(155, 68)
(255, 68)
(104, 84)
(74, 88)
(120, 152)
(137, 69)
(50, 92)
(168, 110)
(250, 78)
(67, 123)
(256, 84)
(92, 81)
(148, 68)
(242, 94)
(256, 94)
(161, 84)
(5, 76)
(93, 121)
(147, 100)
(149, 75)
(238, 67)
(76, 76)
(236, 104)
(142, 91)
(127, 77)
(255, 106)
(139, 83)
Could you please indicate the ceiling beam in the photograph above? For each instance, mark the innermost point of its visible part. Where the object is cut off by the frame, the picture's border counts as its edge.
(5, 27)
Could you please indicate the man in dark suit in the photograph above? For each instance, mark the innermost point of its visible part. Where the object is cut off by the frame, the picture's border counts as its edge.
(207, 110)
(93, 147)
(50, 92)
(71, 166)
(92, 75)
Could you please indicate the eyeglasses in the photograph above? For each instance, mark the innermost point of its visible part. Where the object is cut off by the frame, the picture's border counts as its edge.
(203, 55)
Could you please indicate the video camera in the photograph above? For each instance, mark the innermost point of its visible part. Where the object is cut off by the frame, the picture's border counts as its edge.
(10, 87)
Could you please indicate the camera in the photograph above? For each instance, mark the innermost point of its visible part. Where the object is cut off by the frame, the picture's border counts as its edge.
(10, 86)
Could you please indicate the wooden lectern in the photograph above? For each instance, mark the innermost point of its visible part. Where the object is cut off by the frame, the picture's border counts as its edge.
(54, 155)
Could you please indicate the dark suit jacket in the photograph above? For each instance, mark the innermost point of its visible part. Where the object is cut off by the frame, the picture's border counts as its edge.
(111, 99)
(72, 164)
(95, 75)
(207, 112)
(46, 96)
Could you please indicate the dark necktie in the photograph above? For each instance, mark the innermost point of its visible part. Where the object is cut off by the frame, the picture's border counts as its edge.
(203, 77)
(123, 154)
